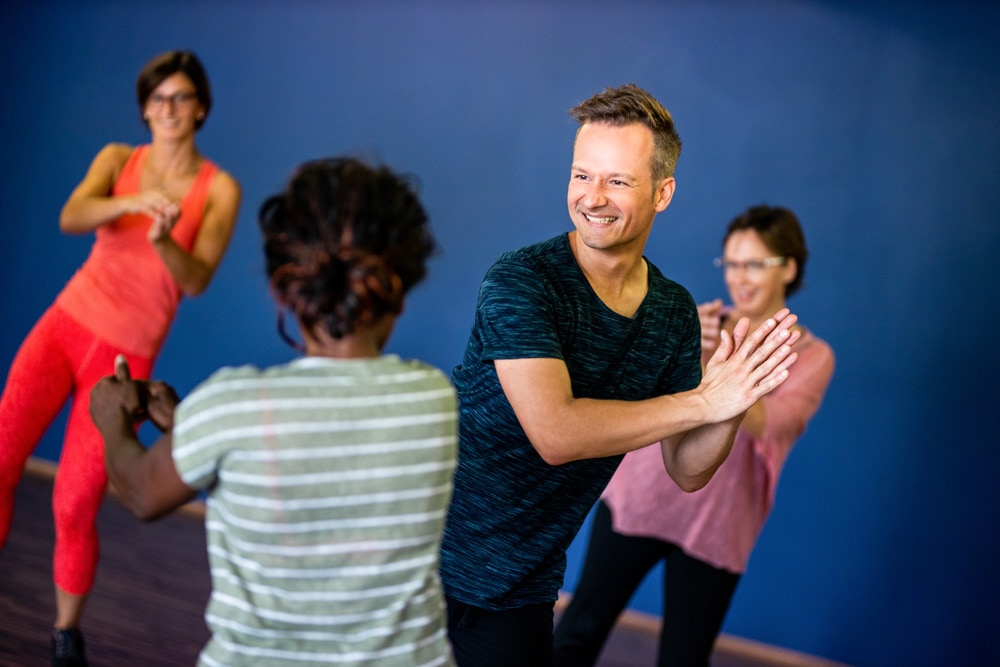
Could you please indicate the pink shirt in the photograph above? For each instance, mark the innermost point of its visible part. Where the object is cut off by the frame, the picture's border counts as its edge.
(720, 523)
(124, 293)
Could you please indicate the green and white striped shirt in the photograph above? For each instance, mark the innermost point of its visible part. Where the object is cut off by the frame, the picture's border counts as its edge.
(328, 483)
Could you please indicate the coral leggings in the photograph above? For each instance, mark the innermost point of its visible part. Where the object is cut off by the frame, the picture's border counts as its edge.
(60, 358)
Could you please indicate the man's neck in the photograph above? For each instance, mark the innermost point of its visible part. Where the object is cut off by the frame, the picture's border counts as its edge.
(620, 279)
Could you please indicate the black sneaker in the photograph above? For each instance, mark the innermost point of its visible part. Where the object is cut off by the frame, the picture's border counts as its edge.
(67, 648)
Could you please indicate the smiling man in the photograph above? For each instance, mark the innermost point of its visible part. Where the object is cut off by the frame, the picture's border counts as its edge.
(581, 351)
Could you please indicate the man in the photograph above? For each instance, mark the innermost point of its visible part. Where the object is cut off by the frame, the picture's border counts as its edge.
(581, 351)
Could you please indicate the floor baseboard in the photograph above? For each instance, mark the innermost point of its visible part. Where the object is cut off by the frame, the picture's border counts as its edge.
(47, 469)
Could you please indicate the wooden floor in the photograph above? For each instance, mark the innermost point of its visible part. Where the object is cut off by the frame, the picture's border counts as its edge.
(147, 604)
(153, 584)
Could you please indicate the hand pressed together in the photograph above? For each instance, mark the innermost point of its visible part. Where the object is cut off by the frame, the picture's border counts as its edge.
(164, 216)
(746, 366)
(117, 401)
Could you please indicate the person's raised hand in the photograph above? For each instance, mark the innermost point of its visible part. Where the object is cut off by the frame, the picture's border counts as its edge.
(748, 365)
(115, 401)
(164, 219)
(157, 400)
(161, 402)
(148, 202)
(710, 317)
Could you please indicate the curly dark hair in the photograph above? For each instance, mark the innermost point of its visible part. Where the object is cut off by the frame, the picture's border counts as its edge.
(780, 231)
(631, 104)
(343, 244)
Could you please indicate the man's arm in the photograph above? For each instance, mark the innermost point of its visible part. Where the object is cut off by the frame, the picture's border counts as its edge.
(145, 479)
(695, 427)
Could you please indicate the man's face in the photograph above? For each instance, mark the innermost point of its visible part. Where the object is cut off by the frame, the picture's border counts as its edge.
(612, 198)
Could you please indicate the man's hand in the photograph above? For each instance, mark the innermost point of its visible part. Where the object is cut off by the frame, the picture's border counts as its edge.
(746, 366)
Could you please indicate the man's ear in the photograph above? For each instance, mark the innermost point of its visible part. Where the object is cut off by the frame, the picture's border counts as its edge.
(664, 193)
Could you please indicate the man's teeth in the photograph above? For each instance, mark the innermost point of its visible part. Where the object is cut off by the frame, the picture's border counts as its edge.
(603, 221)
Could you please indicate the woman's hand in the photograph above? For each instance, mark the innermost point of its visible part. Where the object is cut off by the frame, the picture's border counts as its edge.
(710, 315)
(164, 218)
(161, 402)
(118, 401)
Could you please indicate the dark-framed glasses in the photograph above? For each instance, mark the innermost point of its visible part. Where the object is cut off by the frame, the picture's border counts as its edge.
(177, 99)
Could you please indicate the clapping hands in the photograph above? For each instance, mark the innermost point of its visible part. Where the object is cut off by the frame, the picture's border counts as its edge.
(164, 212)
(164, 219)
(117, 401)
(747, 365)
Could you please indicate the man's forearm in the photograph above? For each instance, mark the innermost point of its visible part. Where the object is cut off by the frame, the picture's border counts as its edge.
(692, 458)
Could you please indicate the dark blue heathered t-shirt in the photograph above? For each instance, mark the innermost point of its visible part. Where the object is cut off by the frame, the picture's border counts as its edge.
(512, 516)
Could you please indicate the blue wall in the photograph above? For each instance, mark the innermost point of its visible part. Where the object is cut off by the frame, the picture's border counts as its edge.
(877, 125)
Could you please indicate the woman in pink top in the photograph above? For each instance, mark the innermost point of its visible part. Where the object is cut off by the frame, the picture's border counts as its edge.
(162, 215)
(704, 537)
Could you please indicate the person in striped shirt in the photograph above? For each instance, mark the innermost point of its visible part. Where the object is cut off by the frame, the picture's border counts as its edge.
(327, 478)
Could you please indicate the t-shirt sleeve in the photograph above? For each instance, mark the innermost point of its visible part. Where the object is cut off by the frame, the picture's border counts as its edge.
(517, 318)
(197, 445)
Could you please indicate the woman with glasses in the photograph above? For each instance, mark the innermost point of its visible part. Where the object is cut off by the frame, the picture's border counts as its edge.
(162, 215)
(704, 537)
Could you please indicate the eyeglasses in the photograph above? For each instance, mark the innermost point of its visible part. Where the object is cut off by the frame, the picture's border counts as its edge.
(751, 266)
(177, 99)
